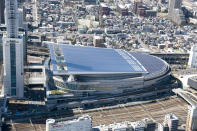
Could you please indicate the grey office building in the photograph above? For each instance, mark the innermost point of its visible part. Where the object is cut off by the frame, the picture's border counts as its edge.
(2, 8)
(175, 12)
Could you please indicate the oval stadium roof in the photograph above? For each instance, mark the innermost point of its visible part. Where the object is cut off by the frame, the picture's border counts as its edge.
(68, 59)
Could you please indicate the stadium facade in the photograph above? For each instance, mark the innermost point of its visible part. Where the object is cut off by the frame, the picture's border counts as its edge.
(88, 74)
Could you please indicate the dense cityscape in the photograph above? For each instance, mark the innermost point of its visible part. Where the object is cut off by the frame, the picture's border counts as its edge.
(98, 65)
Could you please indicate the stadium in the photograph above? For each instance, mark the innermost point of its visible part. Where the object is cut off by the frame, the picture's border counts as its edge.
(84, 73)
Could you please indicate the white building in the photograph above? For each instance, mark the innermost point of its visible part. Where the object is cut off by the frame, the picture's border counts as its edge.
(193, 57)
(191, 119)
(83, 123)
(1, 46)
(172, 122)
(13, 53)
(138, 126)
(123, 126)
(163, 127)
(98, 41)
(21, 19)
(13, 67)
(11, 18)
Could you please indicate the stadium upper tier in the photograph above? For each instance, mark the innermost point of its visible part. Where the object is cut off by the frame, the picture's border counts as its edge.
(154, 65)
(80, 60)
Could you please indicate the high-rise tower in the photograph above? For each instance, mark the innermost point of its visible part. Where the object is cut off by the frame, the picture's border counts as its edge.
(192, 63)
(172, 121)
(173, 4)
(175, 12)
(12, 53)
(2, 8)
(11, 18)
(191, 119)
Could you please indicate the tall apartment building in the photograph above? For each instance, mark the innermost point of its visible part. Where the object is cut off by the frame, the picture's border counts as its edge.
(2, 8)
(174, 4)
(13, 83)
(163, 127)
(192, 63)
(191, 124)
(150, 125)
(172, 122)
(1, 47)
(175, 12)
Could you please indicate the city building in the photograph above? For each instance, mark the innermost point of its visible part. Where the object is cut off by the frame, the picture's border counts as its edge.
(105, 10)
(13, 59)
(90, 2)
(141, 10)
(83, 123)
(123, 126)
(138, 126)
(150, 125)
(98, 41)
(54, 2)
(151, 13)
(191, 119)
(122, 9)
(2, 8)
(172, 122)
(192, 63)
(3, 109)
(192, 82)
(173, 58)
(163, 127)
(137, 4)
(1, 46)
(20, 18)
(175, 12)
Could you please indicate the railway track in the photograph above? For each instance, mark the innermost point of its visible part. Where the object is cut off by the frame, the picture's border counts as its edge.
(108, 115)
